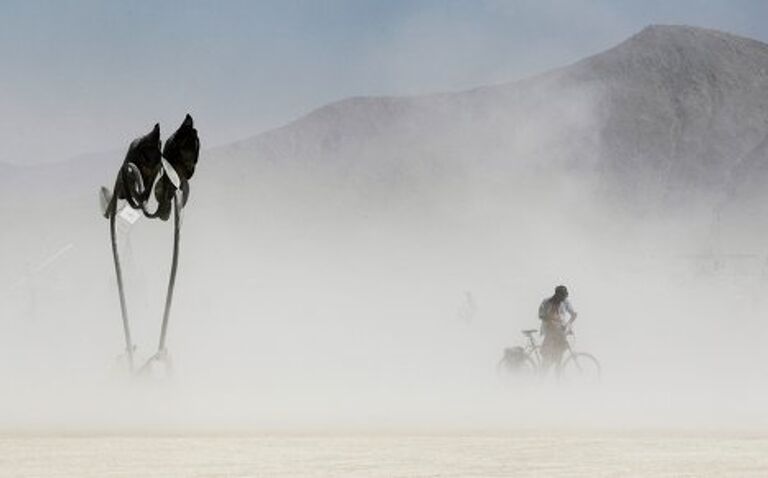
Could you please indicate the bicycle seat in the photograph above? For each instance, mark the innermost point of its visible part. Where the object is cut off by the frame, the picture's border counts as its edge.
(530, 332)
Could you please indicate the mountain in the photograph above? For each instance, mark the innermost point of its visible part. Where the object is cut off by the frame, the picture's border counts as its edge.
(682, 104)
(670, 122)
(663, 117)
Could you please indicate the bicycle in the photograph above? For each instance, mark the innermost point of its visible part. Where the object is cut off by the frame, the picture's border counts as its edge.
(527, 360)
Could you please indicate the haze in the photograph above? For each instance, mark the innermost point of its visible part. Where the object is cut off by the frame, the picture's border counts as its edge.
(326, 264)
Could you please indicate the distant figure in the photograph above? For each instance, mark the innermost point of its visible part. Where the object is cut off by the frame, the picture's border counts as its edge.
(553, 326)
(468, 309)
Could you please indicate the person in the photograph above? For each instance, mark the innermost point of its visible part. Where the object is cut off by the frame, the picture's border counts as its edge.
(552, 313)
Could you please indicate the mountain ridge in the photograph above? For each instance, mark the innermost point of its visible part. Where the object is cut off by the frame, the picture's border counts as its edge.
(662, 117)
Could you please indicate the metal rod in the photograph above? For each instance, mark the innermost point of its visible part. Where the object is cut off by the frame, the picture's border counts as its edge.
(172, 279)
(119, 273)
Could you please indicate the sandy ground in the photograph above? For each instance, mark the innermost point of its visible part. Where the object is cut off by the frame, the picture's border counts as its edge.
(525, 453)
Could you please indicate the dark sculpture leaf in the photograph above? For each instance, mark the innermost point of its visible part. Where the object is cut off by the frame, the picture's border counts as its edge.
(183, 148)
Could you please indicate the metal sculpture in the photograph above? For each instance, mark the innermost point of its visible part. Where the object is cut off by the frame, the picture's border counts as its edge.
(148, 173)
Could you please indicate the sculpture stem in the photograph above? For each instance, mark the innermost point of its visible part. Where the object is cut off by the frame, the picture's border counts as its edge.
(172, 279)
(119, 273)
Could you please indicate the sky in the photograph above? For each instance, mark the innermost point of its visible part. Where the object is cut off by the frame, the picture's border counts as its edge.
(88, 76)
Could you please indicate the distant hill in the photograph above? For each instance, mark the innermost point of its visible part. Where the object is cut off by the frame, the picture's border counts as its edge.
(673, 119)
(663, 117)
(666, 116)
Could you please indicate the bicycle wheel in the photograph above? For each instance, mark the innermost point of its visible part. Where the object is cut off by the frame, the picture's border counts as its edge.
(581, 368)
(519, 367)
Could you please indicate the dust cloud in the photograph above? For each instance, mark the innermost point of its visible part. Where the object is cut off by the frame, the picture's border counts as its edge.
(360, 293)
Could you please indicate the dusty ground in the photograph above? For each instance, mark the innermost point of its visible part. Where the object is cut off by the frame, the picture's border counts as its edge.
(647, 454)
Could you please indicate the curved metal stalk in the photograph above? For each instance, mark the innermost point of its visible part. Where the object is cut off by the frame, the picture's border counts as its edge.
(162, 353)
(119, 273)
(172, 278)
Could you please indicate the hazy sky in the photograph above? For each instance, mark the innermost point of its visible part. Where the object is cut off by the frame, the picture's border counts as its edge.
(89, 75)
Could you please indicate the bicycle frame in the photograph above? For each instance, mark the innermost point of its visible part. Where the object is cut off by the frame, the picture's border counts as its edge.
(533, 350)
(570, 358)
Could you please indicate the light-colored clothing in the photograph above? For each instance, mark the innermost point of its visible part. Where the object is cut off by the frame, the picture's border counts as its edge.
(550, 312)
(553, 328)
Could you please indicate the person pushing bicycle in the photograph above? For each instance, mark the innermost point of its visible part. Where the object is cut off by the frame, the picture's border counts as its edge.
(552, 313)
